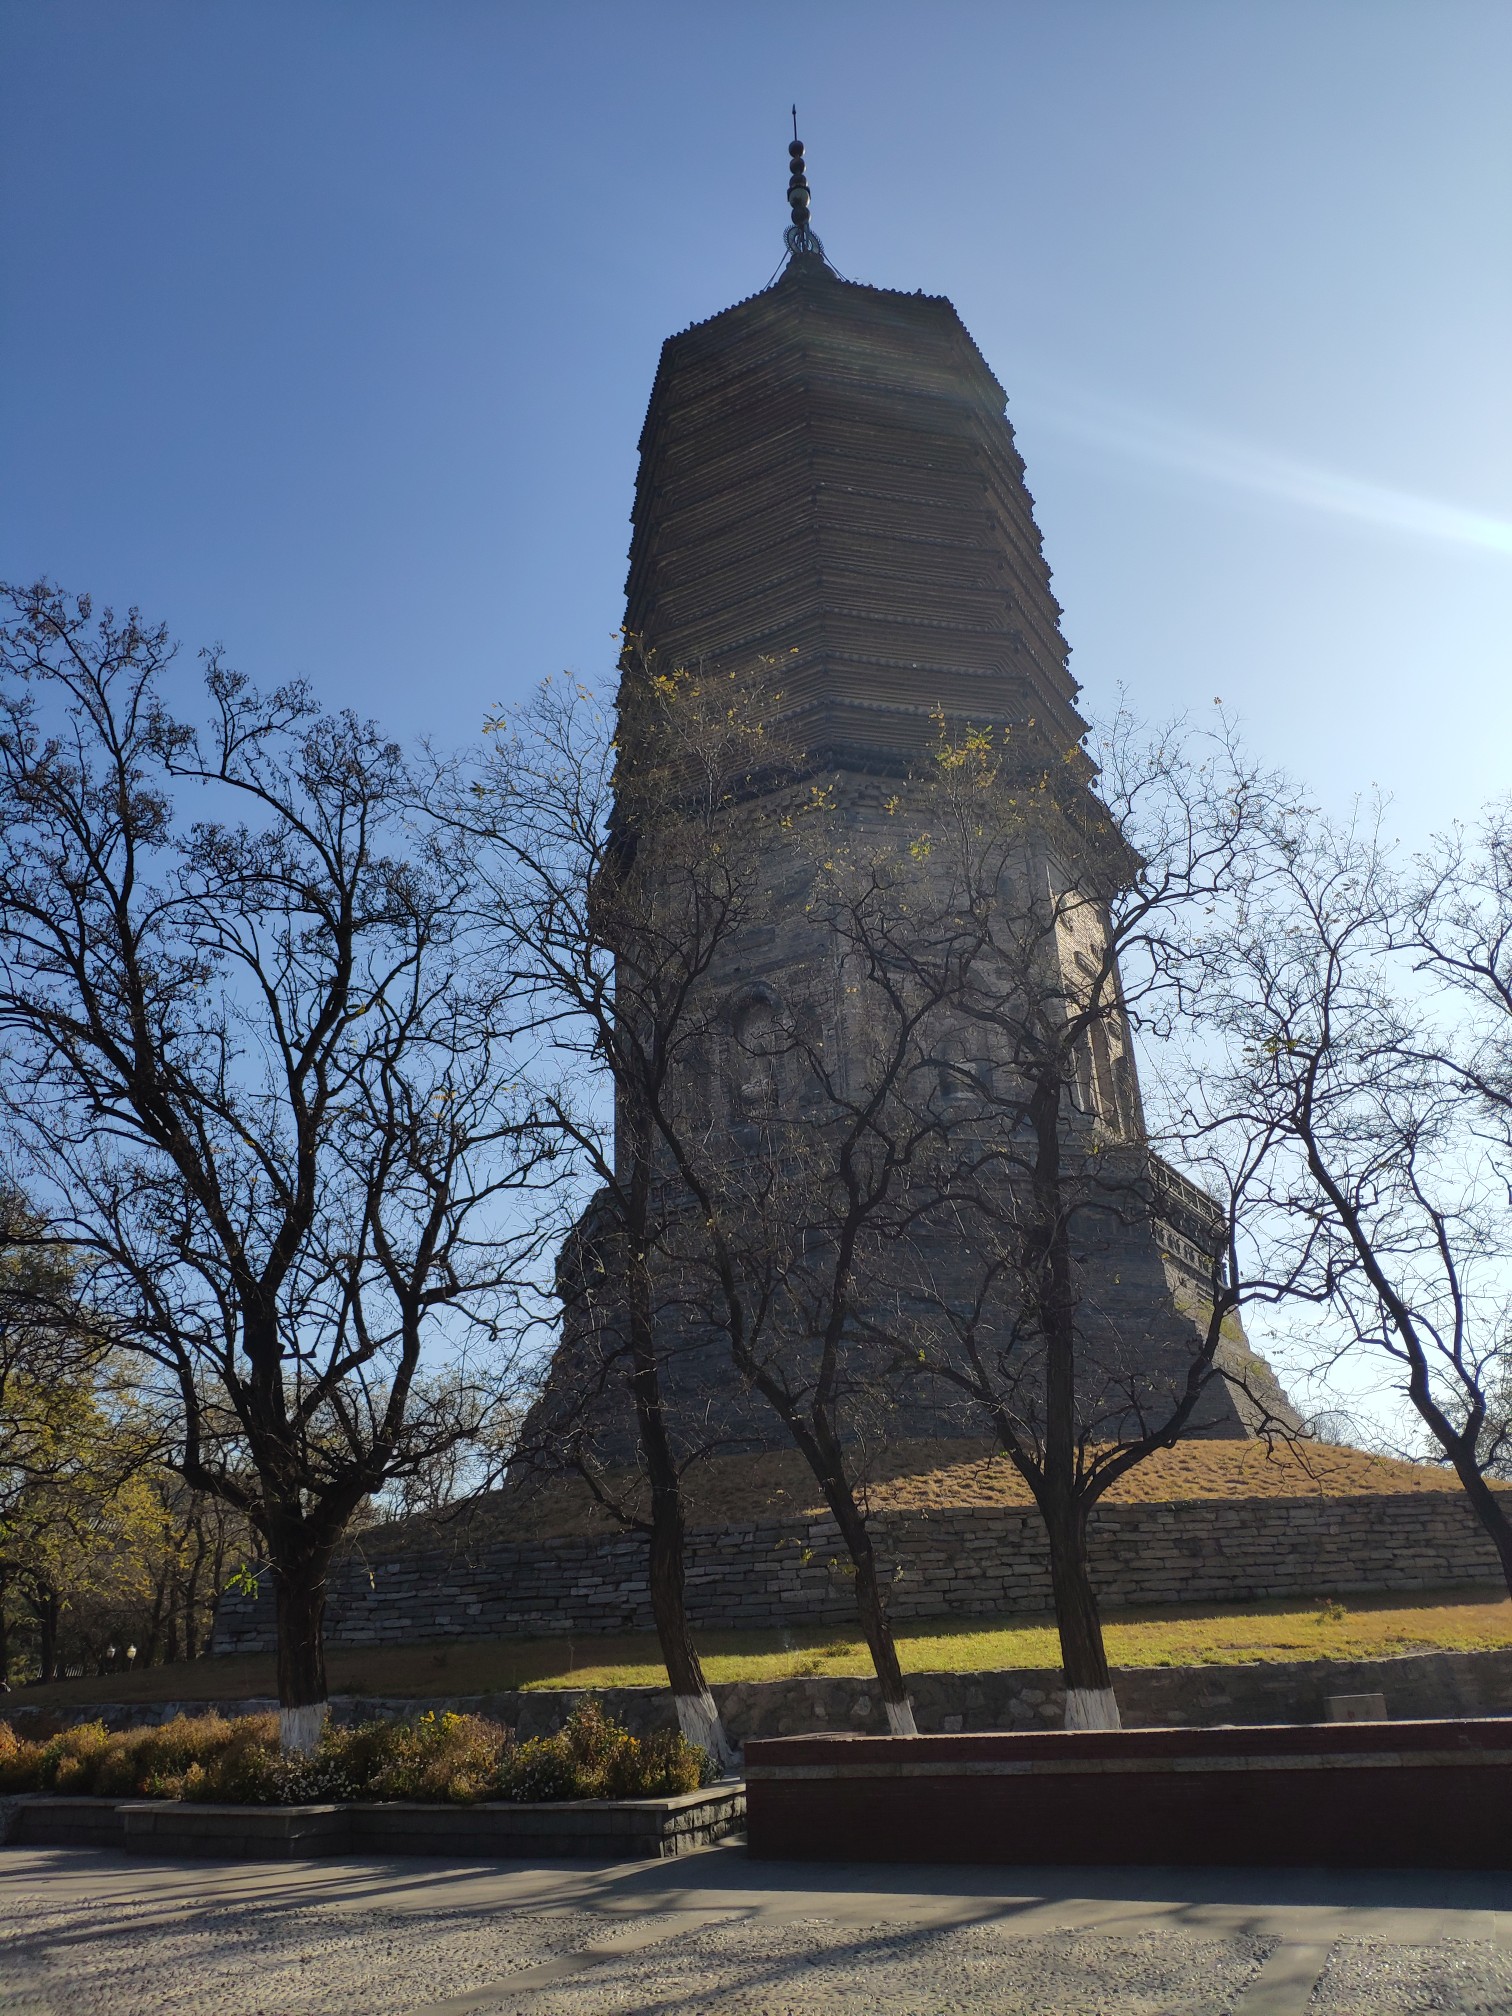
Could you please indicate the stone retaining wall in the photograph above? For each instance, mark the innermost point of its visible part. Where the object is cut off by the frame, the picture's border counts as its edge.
(1417, 1686)
(403, 1586)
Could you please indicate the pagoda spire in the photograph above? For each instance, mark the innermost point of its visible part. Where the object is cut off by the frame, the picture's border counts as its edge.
(798, 237)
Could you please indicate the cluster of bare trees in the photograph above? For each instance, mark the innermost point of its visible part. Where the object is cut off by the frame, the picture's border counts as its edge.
(312, 1057)
(1358, 1011)
(256, 1081)
(904, 1167)
(920, 1161)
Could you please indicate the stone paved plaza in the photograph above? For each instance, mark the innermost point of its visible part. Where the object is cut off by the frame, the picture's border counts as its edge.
(90, 1934)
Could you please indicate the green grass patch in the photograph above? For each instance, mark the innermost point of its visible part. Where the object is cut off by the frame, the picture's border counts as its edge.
(1325, 1628)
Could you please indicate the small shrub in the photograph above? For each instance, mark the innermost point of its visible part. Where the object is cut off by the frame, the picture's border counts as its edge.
(440, 1757)
(539, 1768)
(670, 1763)
(600, 1749)
(592, 1757)
(20, 1762)
(241, 1771)
(153, 1763)
(71, 1759)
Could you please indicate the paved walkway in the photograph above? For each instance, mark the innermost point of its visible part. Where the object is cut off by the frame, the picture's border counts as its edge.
(92, 1934)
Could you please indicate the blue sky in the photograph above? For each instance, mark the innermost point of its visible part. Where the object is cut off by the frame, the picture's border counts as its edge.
(328, 327)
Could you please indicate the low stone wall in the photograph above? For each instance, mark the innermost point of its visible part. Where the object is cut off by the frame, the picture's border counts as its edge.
(1419, 1686)
(400, 1587)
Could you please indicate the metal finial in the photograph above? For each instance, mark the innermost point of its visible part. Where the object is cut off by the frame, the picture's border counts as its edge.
(798, 238)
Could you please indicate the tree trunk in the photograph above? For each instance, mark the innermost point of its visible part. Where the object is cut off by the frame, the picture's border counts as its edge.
(1487, 1507)
(871, 1607)
(1090, 1700)
(46, 1607)
(300, 1600)
(154, 1625)
(698, 1715)
(217, 1582)
(191, 1594)
(820, 1448)
(4, 1636)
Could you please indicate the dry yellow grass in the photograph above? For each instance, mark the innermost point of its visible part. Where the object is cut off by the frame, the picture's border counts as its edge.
(925, 1477)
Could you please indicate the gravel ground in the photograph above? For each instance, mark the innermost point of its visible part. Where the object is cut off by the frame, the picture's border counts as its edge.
(93, 1934)
(818, 1968)
(1366, 1978)
(279, 1961)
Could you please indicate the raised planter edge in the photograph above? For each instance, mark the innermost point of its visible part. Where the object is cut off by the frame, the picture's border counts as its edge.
(1355, 1795)
(624, 1828)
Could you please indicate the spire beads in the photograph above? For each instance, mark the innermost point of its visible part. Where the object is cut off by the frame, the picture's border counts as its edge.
(798, 189)
(799, 239)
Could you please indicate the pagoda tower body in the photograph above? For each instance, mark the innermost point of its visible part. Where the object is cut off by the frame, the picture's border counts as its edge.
(828, 484)
(827, 478)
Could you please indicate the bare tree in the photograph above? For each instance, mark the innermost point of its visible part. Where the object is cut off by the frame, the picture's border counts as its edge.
(1457, 928)
(801, 1183)
(813, 1171)
(258, 1080)
(1390, 1185)
(614, 891)
(638, 886)
(1001, 945)
(942, 1169)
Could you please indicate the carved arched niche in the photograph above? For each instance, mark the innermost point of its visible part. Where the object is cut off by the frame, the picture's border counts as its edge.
(758, 1037)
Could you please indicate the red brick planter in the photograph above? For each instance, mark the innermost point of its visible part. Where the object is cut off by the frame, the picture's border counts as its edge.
(1354, 1795)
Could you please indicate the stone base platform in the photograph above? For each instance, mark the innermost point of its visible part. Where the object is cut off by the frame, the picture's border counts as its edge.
(954, 1534)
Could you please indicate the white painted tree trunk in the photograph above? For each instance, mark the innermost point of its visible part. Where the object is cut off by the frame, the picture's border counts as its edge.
(299, 1728)
(900, 1718)
(1092, 1708)
(698, 1719)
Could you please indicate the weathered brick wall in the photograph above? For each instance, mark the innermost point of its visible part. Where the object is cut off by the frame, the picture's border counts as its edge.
(962, 1562)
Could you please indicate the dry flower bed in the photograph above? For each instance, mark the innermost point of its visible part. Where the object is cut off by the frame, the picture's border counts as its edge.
(458, 1758)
